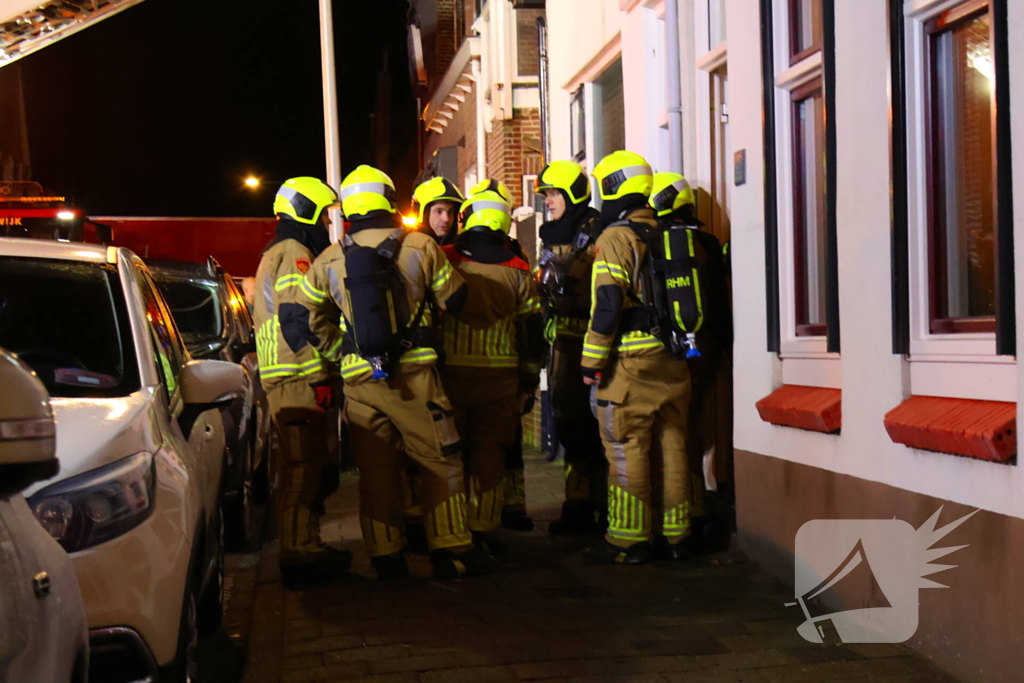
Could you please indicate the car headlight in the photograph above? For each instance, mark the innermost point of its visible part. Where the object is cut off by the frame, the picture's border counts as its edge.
(99, 505)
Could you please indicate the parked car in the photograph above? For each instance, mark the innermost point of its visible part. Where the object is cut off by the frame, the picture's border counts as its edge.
(43, 637)
(215, 323)
(141, 447)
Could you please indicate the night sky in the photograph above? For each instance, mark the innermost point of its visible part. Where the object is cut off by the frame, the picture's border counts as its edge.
(163, 109)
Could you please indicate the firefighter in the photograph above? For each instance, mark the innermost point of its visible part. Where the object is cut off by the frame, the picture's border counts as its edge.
(296, 378)
(567, 256)
(385, 283)
(514, 515)
(493, 349)
(643, 392)
(436, 203)
(673, 200)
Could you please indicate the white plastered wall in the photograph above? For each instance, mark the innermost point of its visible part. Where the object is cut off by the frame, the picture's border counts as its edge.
(874, 380)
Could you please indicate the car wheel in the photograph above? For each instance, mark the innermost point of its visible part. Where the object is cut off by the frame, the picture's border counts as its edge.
(211, 604)
(238, 510)
(186, 663)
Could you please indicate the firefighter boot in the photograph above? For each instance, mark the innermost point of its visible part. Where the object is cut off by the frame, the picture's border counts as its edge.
(451, 565)
(390, 567)
(685, 549)
(607, 553)
(326, 566)
(490, 543)
(579, 518)
(516, 520)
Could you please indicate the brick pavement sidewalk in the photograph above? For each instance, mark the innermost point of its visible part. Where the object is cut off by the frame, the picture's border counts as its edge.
(544, 616)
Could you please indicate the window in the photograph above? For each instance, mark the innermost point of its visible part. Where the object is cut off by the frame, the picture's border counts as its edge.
(962, 154)
(170, 354)
(578, 121)
(716, 22)
(82, 347)
(805, 28)
(609, 111)
(809, 237)
(196, 307)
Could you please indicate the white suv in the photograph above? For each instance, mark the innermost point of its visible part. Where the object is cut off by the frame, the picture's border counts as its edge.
(140, 446)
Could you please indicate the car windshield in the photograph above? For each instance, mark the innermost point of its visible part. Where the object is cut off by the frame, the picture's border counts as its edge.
(195, 305)
(69, 322)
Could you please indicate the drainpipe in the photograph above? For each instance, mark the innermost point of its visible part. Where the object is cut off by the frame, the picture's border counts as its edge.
(675, 88)
(481, 140)
(330, 85)
(545, 131)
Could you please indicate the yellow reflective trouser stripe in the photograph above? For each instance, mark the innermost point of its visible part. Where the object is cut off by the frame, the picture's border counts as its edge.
(594, 351)
(484, 513)
(380, 538)
(446, 523)
(442, 276)
(286, 281)
(628, 518)
(314, 294)
(676, 521)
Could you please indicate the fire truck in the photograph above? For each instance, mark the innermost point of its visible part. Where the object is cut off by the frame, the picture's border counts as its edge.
(27, 211)
(237, 243)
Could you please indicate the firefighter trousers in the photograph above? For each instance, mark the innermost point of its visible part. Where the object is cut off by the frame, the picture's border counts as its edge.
(586, 469)
(303, 456)
(514, 484)
(407, 415)
(643, 406)
(486, 413)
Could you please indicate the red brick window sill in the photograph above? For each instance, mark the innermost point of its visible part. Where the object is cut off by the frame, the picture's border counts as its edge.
(977, 429)
(817, 409)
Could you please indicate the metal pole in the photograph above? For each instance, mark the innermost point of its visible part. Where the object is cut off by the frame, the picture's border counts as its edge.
(545, 111)
(333, 144)
(675, 88)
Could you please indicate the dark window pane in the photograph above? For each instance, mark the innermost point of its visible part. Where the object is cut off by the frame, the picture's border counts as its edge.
(577, 115)
(610, 123)
(195, 306)
(809, 209)
(68, 321)
(963, 164)
(806, 25)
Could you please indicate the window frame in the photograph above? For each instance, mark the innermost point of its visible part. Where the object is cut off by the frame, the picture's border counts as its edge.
(578, 125)
(800, 94)
(944, 22)
(793, 17)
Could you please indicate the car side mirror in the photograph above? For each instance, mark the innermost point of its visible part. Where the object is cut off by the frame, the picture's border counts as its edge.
(208, 384)
(28, 431)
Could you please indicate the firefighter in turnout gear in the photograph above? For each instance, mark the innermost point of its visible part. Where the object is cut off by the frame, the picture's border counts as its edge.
(436, 204)
(493, 350)
(296, 377)
(514, 515)
(387, 284)
(674, 202)
(567, 256)
(643, 390)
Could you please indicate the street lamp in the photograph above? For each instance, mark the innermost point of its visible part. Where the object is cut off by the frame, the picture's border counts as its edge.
(252, 182)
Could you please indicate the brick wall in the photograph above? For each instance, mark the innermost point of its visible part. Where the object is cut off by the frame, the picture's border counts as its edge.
(513, 150)
(446, 42)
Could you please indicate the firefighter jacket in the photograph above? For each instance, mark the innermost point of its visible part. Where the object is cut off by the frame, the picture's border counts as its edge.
(618, 286)
(500, 325)
(567, 295)
(284, 344)
(427, 276)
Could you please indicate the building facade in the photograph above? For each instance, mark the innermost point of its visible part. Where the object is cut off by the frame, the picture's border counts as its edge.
(862, 160)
